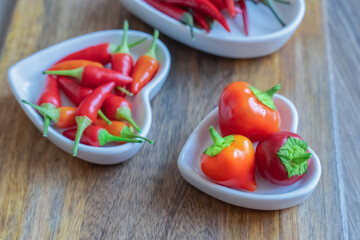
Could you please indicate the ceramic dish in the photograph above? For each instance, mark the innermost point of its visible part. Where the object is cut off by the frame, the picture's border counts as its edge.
(267, 196)
(26, 81)
(266, 33)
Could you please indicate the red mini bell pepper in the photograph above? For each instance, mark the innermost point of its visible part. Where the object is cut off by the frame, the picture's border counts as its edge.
(97, 136)
(72, 64)
(282, 158)
(247, 111)
(175, 12)
(145, 68)
(63, 117)
(88, 110)
(49, 100)
(205, 7)
(118, 108)
(120, 129)
(76, 93)
(92, 76)
(230, 161)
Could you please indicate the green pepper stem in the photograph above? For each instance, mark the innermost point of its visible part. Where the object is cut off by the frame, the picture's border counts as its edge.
(270, 4)
(273, 90)
(124, 48)
(124, 113)
(76, 73)
(105, 137)
(187, 19)
(102, 115)
(126, 132)
(266, 97)
(219, 143)
(46, 125)
(114, 48)
(283, 2)
(216, 138)
(152, 50)
(134, 44)
(124, 91)
(82, 122)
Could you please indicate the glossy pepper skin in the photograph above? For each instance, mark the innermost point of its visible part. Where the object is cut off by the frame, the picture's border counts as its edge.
(49, 100)
(201, 20)
(282, 158)
(120, 129)
(97, 136)
(230, 4)
(118, 108)
(63, 117)
(230, 161)
(73, 64)
(205, 7)
(241, 112)
(88, 110)
(145, 68)
(175, 12)
(92, 76)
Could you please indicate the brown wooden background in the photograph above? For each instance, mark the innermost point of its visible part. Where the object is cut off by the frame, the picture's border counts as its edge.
(45, 193)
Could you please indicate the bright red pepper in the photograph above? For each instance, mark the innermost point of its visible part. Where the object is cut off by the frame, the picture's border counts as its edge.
(145, 68)
(282, 158)
(72, 64)
(97, 53)
(201, 20)
(230, 161)
(63, 117)
(174, 12)
(118, 108)
(97, 136)
(205, 7)
(92, 76)
(88, 110)
(120, 129)
(220, 4)
(230, 4)
(49, 100)
(242, 5)
(76, 93)
(247, 111)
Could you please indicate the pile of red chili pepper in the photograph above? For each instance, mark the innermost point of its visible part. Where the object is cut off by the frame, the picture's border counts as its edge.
(101, 113)
(248, 115)
(202, 13)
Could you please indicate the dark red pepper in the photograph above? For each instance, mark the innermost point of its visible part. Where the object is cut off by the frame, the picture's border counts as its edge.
(118, 108)
(92, 76)
(242, 6)
(174, 12)
(201, 20)
(49, 100)
(205, 7)
(88, 110)
(97, 136)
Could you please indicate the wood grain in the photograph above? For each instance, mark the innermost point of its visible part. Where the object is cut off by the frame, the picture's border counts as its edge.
(46, 193)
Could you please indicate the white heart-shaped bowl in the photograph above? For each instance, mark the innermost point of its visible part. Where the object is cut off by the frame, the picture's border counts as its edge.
(267, 196)
(26, 81)
(266, 34)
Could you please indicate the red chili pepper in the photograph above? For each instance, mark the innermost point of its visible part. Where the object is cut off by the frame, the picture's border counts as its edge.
(230, 161)
(76, 93)
(92, 76)
(63, 117)
(72, 64)
(118, 108)
(97, 53)
(201, 20)
(282, 158)
(220, 4)
(247, 111)
(120, 129)
(88, 110)
(145, 68)
(231, 7)
(97, 136)
(174, 12)
(49, 100)
(242, 5)
(203, 6)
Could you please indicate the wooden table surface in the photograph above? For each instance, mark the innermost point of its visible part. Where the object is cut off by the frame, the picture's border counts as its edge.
(46, 193)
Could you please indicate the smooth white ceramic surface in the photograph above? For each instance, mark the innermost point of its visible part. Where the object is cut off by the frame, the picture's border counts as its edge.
(267, 196)
(266, 34)
(26, 81)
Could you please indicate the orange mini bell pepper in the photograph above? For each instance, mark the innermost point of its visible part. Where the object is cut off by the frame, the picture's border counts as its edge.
(230, 161)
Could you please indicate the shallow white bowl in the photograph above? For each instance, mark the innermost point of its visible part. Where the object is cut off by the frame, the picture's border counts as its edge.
(26, 81)
(267, 196)
(266, 34)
